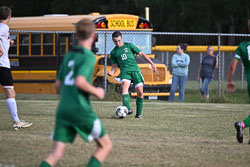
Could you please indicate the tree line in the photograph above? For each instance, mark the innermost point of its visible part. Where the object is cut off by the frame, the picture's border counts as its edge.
(211, 16)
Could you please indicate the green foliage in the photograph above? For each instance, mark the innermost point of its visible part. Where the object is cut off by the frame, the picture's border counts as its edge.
(225, 16)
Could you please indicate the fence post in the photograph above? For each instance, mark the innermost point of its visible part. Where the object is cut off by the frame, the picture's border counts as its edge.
(162, 56)
(105, 63)
(167, 60)
(223, 66)
(199, 67)
(219, 63)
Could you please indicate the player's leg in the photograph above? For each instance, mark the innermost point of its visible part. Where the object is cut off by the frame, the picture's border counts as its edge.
(139, 82)
(182, 82)
(7, 82)
(11, 102)
(55, 155)
(12, 107)
(239, 126)
(246, 122)
(125, 94)
(94, 130)
(62, 134)
(239, 131)
(248, 86)
(175, 81)
(104, 146)
(139, 101)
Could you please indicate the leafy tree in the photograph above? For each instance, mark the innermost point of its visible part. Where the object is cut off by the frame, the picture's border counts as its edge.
(223, 16)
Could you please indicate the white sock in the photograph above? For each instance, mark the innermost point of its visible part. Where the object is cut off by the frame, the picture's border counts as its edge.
(11, 104)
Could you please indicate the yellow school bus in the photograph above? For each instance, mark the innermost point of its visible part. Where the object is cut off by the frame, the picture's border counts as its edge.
(41, 42)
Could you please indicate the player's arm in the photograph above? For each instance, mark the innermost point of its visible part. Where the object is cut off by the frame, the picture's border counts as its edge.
(1, 51)
(217, 61)
(85, 86)
(148, 60)
(58, 86)
(113, 69)
(230, 84)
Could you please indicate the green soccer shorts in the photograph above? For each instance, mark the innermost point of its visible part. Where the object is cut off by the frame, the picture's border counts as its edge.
(134, 76)
(89, 131)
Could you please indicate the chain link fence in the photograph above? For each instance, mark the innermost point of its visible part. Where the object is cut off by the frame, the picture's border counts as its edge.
(36, 56)
(223, 44)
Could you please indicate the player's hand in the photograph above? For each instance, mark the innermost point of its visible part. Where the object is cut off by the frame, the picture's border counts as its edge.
(11, 42)
(230, 87)
(110, 73)
(100, 93)
(198, 79)
(153, 67)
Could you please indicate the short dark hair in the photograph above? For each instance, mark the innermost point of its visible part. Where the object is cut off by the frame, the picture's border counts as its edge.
(84, 28)
(183, 46)
(116, 34)
(5, 12)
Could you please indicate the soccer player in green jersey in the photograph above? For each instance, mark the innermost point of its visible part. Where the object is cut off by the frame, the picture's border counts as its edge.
(74, 114)
(243, 53)
(123, 55)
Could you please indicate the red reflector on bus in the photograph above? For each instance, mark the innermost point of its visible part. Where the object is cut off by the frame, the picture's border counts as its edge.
(146, 25)
(98, 25)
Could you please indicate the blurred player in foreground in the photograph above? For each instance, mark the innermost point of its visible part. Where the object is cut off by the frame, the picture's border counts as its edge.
(123, 55)
(74, 114)
(243, 53)
(6, 79)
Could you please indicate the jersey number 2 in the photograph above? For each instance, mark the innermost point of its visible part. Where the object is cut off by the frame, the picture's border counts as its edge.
(69, 80)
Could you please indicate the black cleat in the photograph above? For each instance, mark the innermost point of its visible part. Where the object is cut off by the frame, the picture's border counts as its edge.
(130, 112)
(249, 141)
(138, 116)
(239, 130)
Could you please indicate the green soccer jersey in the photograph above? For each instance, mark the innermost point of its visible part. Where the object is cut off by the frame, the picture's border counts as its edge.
(243, 53)
(124, 57)
(75, 106)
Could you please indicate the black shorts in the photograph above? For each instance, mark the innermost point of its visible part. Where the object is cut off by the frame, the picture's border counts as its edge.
(6, 79)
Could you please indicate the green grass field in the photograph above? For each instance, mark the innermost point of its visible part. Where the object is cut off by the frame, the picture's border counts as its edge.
(170, 134)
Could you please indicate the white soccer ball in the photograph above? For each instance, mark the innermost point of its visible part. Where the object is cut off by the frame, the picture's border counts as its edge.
(121, 111)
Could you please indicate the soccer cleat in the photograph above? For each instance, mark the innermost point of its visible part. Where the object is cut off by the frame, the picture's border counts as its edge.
(21, 125)
(138, 116)
(239, 130)
(130, 112)
(249, 141)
